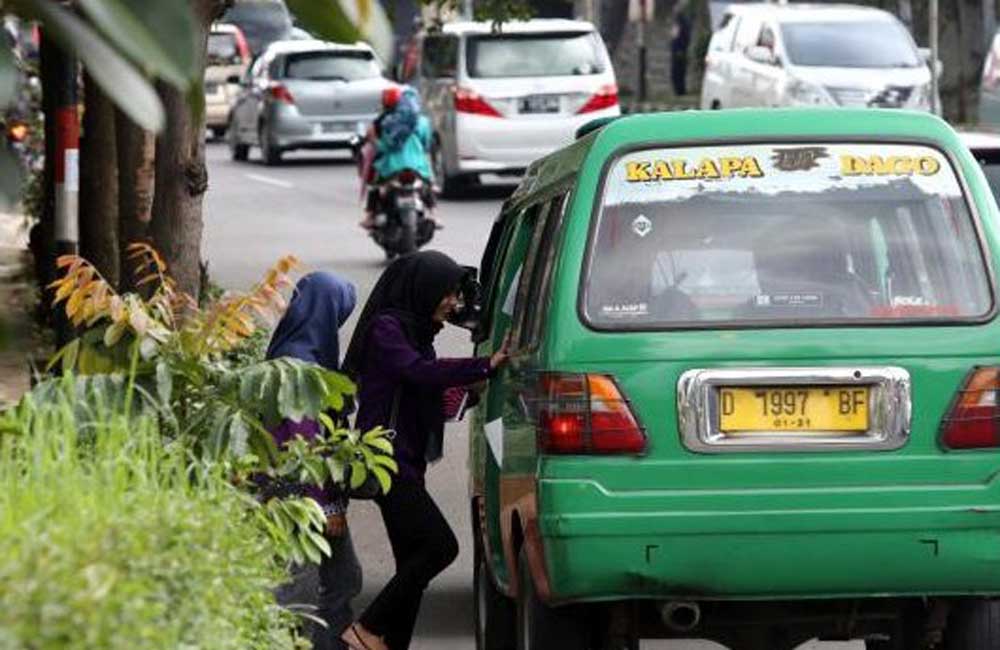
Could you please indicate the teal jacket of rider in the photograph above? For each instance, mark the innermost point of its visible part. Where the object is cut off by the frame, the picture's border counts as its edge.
(411, 155)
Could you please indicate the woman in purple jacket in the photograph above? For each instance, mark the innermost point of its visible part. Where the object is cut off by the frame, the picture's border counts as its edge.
(402, 386)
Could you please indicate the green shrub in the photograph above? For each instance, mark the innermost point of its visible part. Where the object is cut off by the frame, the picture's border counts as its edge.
(113, 540)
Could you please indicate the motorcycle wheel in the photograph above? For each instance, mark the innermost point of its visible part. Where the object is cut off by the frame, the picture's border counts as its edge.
(408, 232)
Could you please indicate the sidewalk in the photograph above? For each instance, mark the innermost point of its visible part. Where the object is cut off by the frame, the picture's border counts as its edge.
(15, 290)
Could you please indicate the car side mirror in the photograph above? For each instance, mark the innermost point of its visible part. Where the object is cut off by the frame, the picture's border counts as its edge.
(761, 54)
(926, 55)
(470, 292)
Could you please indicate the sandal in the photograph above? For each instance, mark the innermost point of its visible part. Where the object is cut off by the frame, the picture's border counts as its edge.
(354, 640)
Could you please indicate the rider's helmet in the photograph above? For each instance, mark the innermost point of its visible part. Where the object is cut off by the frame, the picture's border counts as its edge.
(391, 96)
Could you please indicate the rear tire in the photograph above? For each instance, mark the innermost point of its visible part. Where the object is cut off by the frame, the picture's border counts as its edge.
(238, 151)
(408, 232)
(974, 625)
(495, 616)
(270, 153)
(452, 186)
(540, 627)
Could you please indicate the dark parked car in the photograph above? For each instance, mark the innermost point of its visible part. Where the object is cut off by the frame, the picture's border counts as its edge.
(262, 22)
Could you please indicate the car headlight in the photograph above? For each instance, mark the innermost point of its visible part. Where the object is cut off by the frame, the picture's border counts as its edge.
(803, 92)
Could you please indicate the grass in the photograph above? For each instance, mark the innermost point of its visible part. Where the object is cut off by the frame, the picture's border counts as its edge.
(112, 540)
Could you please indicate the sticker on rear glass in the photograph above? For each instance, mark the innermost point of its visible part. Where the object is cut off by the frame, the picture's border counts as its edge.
(642, 226)
(798, 159)
(679, 169)
(789, 300)
(889, 165)
(625, 309)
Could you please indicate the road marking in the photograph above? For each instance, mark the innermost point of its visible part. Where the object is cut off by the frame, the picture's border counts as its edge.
(270, 181)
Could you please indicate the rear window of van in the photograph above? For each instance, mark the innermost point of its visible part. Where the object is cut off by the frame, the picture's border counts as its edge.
(559, 54)
(783, 235)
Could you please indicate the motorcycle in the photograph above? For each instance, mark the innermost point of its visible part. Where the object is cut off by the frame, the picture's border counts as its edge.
(401, 223)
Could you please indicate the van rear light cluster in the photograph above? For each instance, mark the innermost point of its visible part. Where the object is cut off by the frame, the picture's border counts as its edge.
(585, 414)
(974, 419)
(469, 101)
(606, 97)
(280, 93)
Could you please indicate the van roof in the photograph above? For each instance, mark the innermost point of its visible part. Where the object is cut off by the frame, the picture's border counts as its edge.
(809, 12)
(718, 127)
(536, 25)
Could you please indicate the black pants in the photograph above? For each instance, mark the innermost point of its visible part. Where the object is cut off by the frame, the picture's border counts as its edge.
(423, 546)
(678, 73)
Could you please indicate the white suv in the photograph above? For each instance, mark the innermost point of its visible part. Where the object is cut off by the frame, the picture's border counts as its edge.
(499, 100)
(811, 55)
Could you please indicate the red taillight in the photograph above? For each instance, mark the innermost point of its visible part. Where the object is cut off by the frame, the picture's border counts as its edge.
(606, 97)
(280, 93)
(407, 177)
(469, 101)
(974, 419)
(586, 414)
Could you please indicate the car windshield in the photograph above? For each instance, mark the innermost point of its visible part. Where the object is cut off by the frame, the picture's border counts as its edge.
(222, 49)
(262, 22)
(857, 44)
(783, 235)
(535, 55)
(332, 66)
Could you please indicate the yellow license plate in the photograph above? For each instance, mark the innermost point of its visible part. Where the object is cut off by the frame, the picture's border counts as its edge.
(793, 408)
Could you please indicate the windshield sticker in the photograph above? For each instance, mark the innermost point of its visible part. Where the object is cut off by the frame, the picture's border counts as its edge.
(622, 310)
(642, 226)
(789, 300)
(798, 159)
(678, 174)
(679, 169)
(889, 165)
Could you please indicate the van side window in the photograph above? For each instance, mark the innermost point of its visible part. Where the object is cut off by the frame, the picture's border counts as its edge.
(507, 277)
(440, 57)
(538, 273)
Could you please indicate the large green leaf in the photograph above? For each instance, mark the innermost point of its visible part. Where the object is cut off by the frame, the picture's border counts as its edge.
(123, 84)
(8, 77)
(157, 36)
(346, 21)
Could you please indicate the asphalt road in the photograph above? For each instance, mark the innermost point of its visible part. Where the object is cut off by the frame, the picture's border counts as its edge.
(309, 207)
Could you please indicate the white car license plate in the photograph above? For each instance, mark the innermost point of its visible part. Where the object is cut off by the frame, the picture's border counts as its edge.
(336, 127)
(539, 104)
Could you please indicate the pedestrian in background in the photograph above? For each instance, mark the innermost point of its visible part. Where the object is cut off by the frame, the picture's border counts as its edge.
(403, 386)
(321, 304)
(680, 40)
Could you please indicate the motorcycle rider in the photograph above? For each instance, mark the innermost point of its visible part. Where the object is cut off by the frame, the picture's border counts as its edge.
(401, 137)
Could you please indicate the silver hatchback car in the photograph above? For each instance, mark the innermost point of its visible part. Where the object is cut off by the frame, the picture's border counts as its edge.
(305, 95)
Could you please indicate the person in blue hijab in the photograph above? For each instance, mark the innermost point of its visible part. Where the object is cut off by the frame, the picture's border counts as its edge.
(319, 307)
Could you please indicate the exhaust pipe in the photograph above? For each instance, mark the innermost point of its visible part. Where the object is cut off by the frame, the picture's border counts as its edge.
(681, 616)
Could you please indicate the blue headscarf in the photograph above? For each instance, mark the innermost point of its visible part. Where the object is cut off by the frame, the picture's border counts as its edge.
(308, 331)
(400, 124)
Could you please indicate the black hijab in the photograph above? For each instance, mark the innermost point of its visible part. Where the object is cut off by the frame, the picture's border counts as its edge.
(410, 290)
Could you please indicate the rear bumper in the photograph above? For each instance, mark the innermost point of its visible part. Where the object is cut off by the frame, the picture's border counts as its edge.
(769, 544)
(493, 144)
(291, 130)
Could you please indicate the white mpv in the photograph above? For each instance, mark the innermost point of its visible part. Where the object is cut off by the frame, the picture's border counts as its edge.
(811, 55)
(499, 100)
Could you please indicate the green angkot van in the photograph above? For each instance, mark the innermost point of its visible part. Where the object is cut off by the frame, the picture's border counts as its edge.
(753, 393)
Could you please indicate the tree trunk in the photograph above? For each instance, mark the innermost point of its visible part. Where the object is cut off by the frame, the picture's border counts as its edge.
(42, 238)
(181, 175)
(99, 183)
(136, 150)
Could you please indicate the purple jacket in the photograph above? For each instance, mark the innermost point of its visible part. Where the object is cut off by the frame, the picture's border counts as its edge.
(392, 361)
